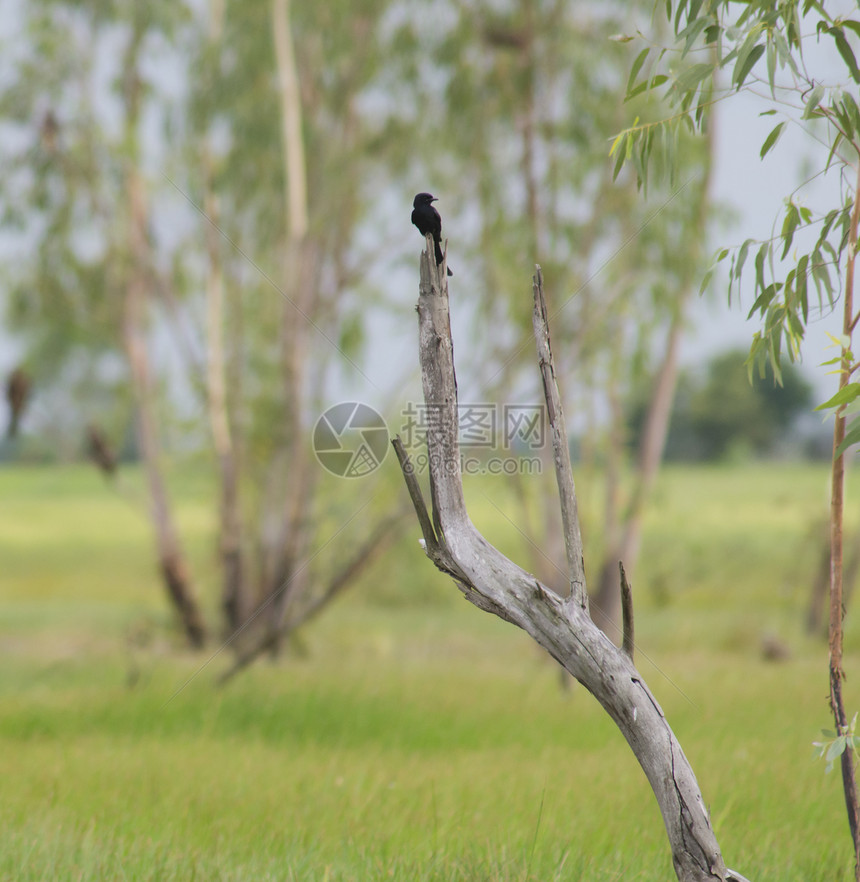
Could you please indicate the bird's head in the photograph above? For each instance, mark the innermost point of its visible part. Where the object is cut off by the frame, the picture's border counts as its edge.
(423, 199)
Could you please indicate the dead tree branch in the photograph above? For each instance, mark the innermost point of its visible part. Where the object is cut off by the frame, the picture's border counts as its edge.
(561, 451)
(562, 626)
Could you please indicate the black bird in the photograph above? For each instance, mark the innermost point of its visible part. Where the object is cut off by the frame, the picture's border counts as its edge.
(428, 220)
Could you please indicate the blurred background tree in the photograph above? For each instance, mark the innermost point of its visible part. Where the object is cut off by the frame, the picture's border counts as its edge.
(514, 103)
(277, 148)
(76, 192)
(720, 413)
(213, 203)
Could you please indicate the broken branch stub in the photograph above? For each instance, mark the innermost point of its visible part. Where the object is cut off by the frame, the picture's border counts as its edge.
(562, 626)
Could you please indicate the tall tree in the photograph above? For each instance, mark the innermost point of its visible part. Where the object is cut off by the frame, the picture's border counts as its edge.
(761, 46)
(277, 112)
(139, 280)
(267, 140)
(88, 291)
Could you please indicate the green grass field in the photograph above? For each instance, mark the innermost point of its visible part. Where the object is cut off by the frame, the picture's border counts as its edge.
(414, 737)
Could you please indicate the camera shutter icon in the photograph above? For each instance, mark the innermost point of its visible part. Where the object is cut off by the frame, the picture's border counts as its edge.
(350, 439)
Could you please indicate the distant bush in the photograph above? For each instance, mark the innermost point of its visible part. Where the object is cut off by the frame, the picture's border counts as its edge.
(720, 415)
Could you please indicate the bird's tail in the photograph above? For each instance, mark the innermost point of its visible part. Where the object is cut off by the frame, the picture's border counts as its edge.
(440, 257)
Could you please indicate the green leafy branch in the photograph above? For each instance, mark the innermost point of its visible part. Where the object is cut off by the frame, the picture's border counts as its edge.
(761, 41)
(784, 304)
(764, 31)
(772, 33)
(833, 745)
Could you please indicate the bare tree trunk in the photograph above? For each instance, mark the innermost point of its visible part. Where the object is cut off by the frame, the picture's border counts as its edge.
(563, 627)
(295, 170)
(234, 600)
(289, 578)
(170, 556)
(171, 559)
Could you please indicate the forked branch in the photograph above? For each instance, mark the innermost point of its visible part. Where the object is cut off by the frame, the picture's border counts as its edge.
(560, 625)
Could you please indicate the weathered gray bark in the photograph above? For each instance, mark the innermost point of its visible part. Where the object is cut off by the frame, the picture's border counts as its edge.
(561, 626)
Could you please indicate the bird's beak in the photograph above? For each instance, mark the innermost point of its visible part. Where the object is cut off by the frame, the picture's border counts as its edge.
(435, 199)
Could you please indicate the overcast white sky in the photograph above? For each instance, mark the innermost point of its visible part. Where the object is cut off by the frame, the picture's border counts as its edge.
(755, 190)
